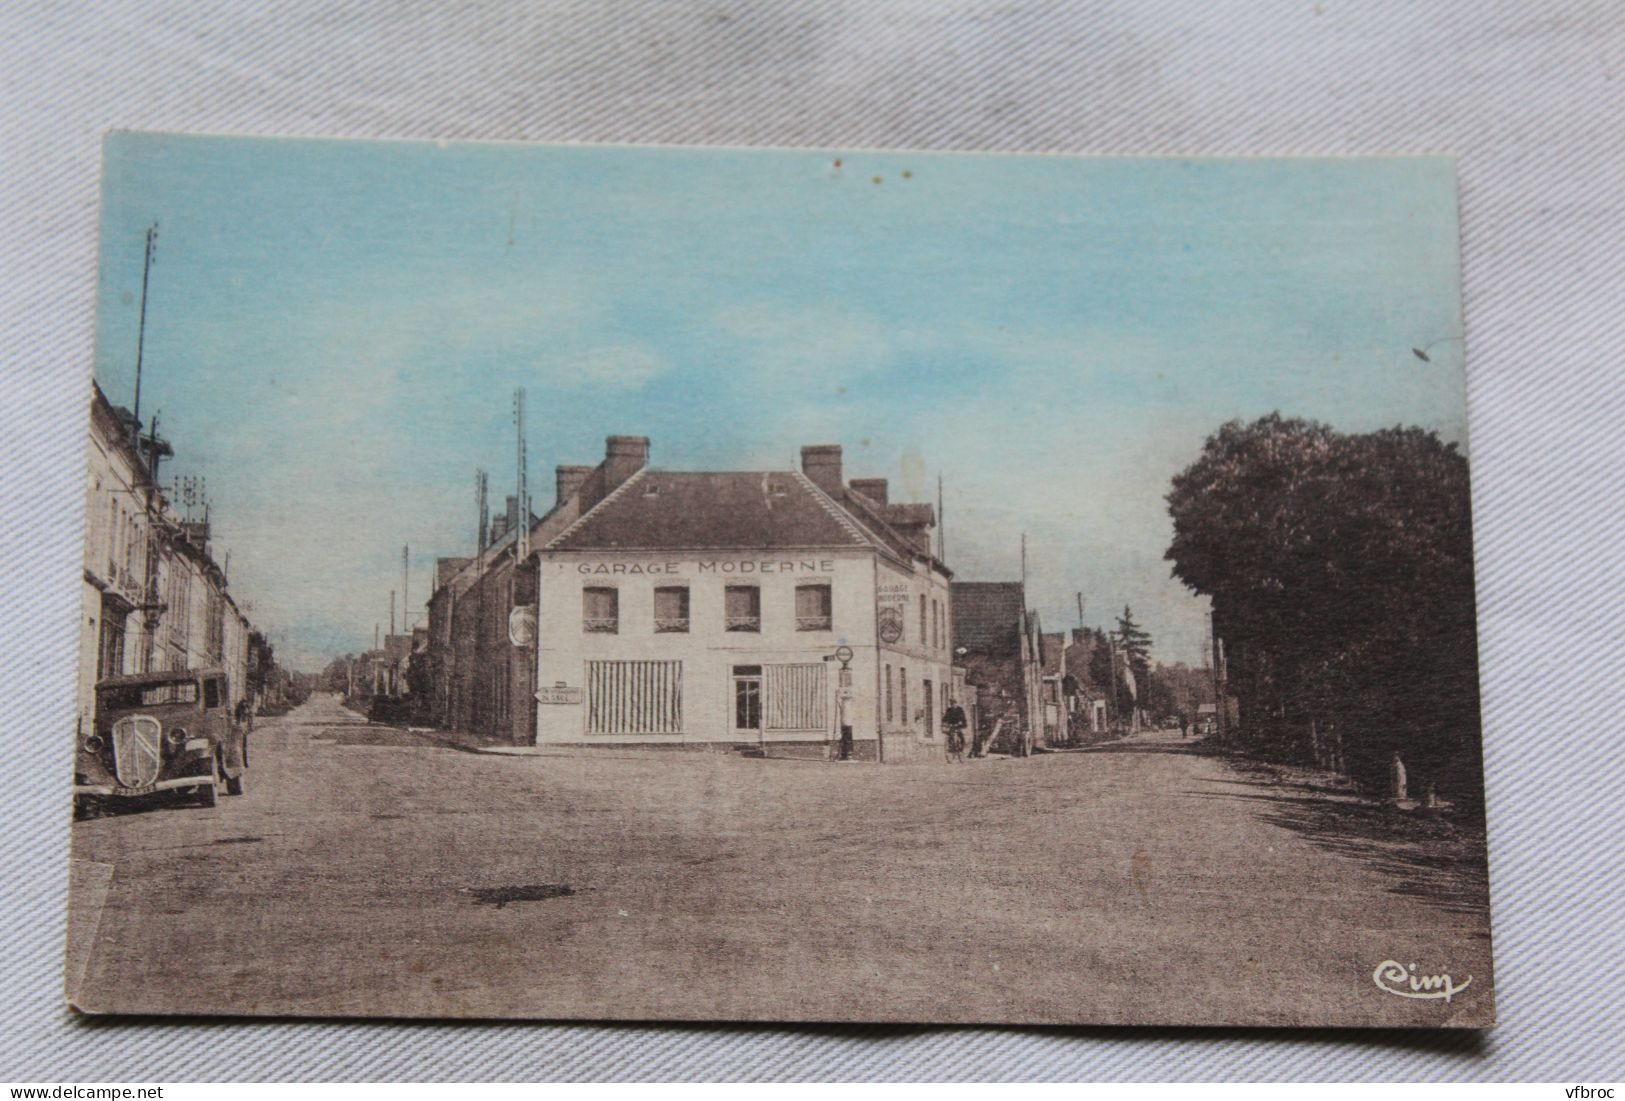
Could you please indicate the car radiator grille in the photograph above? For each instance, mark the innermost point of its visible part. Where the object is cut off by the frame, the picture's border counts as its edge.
(136, 756)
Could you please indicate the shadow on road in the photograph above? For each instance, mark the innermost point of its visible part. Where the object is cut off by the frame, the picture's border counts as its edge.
(1143, 747)
(1429, 856)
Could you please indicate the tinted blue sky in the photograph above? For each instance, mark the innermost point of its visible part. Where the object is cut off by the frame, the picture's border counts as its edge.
(335, 328)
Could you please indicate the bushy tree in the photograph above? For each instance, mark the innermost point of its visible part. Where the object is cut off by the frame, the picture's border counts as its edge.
(1340, 572)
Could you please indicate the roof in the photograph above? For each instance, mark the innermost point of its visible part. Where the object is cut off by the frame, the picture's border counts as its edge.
(882, 522)
(735, 510)
(987, 616)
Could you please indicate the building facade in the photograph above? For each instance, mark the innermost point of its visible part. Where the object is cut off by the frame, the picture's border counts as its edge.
(478, 681)
(711, 610)
(152, 596)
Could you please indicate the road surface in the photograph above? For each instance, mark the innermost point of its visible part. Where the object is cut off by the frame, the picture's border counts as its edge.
(377, 871)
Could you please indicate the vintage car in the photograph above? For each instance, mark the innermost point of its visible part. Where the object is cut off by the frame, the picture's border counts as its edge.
(162, 732)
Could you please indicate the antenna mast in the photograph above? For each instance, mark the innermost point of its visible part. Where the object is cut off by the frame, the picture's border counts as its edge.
(521, 458)
(141, 326)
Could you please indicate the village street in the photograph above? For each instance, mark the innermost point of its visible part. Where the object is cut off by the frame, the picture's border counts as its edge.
(372, 866)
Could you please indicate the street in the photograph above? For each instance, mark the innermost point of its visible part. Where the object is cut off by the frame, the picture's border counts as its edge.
(1138, 881)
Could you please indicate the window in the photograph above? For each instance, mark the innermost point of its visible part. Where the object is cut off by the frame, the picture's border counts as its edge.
(797, 696)
(888, 694)
(924, 637)
(671, 608)
(813, 608)
(742, 608)
(212, 696)
(634, 697)
(930, 713)
(600, 610)
(902, 696)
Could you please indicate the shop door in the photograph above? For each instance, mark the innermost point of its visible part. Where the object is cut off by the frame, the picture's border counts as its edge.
(747, 701)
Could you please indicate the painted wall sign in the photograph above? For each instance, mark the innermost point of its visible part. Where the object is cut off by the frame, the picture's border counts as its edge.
(891, 622)
(710, 565)
(891, 599)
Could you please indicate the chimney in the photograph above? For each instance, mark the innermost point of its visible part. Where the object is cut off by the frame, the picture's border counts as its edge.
(872, 488)
(570, 479)
(624, 456)
(822, 463)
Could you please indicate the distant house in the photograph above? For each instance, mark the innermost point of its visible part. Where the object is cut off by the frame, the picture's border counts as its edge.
(1052, 660)
(1087, 714)
(997, 641)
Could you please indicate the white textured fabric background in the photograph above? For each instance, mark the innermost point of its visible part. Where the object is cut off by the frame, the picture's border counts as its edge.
(1531, 95)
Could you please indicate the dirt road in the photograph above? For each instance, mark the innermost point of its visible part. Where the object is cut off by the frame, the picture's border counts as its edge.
(371, 870)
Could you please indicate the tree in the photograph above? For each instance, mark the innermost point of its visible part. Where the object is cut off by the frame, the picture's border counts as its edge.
(1340, 573)
(1135, 646)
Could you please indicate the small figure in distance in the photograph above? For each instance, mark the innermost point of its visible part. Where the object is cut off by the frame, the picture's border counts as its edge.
(953, 722)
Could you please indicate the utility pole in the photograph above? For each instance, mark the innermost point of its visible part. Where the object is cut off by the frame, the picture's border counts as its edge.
(482, 504)
(392, 611)
(1080, 611)
(942, 527)
(406, 578)
(1221, 710)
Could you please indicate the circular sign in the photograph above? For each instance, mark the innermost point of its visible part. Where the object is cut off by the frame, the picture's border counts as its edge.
(843, 654)
(522, 625)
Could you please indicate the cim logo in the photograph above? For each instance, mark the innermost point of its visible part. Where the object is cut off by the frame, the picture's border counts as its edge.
(1393, 977)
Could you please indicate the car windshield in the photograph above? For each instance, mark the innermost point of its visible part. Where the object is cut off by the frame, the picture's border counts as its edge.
(149, 695)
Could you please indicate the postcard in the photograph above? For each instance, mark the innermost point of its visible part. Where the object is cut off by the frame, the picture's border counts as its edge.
(581, 582)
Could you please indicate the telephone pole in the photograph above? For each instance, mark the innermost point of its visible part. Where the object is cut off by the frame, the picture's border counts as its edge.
(942, 527)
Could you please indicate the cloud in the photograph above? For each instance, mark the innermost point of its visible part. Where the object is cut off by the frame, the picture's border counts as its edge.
(618, 367)
(799, 345)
